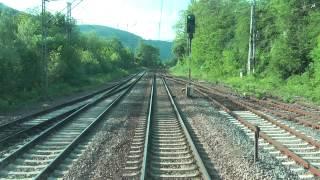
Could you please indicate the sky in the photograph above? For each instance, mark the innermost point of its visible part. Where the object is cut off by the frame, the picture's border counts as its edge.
(140, 17)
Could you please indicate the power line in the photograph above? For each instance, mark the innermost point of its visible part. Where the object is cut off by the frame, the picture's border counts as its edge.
(65, 8)
(76, 4)
(44, 40)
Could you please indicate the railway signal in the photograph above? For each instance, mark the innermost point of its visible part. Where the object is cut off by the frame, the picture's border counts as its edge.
(191, 20)
(191, 27)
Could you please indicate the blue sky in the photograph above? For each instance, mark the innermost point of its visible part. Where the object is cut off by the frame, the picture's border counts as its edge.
(141, 17)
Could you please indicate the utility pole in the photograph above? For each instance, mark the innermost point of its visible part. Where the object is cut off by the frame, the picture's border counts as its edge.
(44, 49)
(69, 19)
(252, 48)
(254, 37)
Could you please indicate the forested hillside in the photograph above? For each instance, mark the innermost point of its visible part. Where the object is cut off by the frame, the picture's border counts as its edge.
(81, 61)
(287, 44)
(129, 39)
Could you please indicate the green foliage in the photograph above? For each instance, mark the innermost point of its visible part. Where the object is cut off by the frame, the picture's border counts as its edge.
(286, 32)
(128, 39)
(147, 55)
(315, 66)
(287, 46)
(70, 64)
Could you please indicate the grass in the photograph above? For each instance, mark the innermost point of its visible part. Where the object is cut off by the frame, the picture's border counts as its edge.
(295, 88)
(13, 102)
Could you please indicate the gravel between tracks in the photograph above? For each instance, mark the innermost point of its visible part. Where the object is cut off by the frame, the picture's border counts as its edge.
(227, 146)
(105, 158)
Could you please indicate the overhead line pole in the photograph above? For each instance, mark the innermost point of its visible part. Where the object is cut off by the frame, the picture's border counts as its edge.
(44, 53)
(69, 22)
(254, 35)
(251, 51)
(44, 49)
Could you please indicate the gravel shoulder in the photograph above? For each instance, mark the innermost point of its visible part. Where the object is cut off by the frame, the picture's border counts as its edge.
(228, 148)
(105, 158)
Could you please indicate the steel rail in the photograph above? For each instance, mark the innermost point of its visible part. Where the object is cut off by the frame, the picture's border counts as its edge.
(13, 141)
(50, 168)
(307, 123)
(158, 122)
(292, 109)
(47, 132)
(283, 149)
(51, 120)
(74, 101)
(290, 118)
(305, 105)
(280, 147)
(199, 162)
(286, 107)
(146, 143)
(249, 106)
(275, 143)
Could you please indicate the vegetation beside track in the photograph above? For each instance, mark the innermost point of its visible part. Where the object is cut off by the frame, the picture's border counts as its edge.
(287, 46)
(18, 100)
(75, 63)
(295, 88)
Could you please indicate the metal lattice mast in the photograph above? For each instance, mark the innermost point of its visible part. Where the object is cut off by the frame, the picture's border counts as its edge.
(254, 37)
(44, 48)
(69, 19)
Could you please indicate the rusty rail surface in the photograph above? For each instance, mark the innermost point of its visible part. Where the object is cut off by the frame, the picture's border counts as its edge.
(279, 114)
(206, 92)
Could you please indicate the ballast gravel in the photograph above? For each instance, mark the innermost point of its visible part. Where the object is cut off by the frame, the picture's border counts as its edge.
(229, 149)
(106, 155)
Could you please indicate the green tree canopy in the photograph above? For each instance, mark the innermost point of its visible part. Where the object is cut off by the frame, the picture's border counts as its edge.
(147, 55)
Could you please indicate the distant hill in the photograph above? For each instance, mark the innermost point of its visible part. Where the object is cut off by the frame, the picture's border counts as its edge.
(3, 7)
(129, 39)
(164, 46)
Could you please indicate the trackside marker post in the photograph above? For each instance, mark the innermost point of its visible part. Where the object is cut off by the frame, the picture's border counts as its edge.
(256, 143)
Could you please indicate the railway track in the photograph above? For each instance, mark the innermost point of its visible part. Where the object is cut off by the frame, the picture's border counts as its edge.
(307, 115)
(24, 130)
(53, 114)
(39, 157)
(292, 147)
(287, 117)
(162, 146)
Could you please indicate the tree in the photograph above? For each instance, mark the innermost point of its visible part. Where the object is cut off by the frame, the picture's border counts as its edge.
(286, 33)
(148, 56)
(28, 41)
(10, 67)
(71, 63)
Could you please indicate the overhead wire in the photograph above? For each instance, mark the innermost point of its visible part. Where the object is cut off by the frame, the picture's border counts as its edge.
(49, 20)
